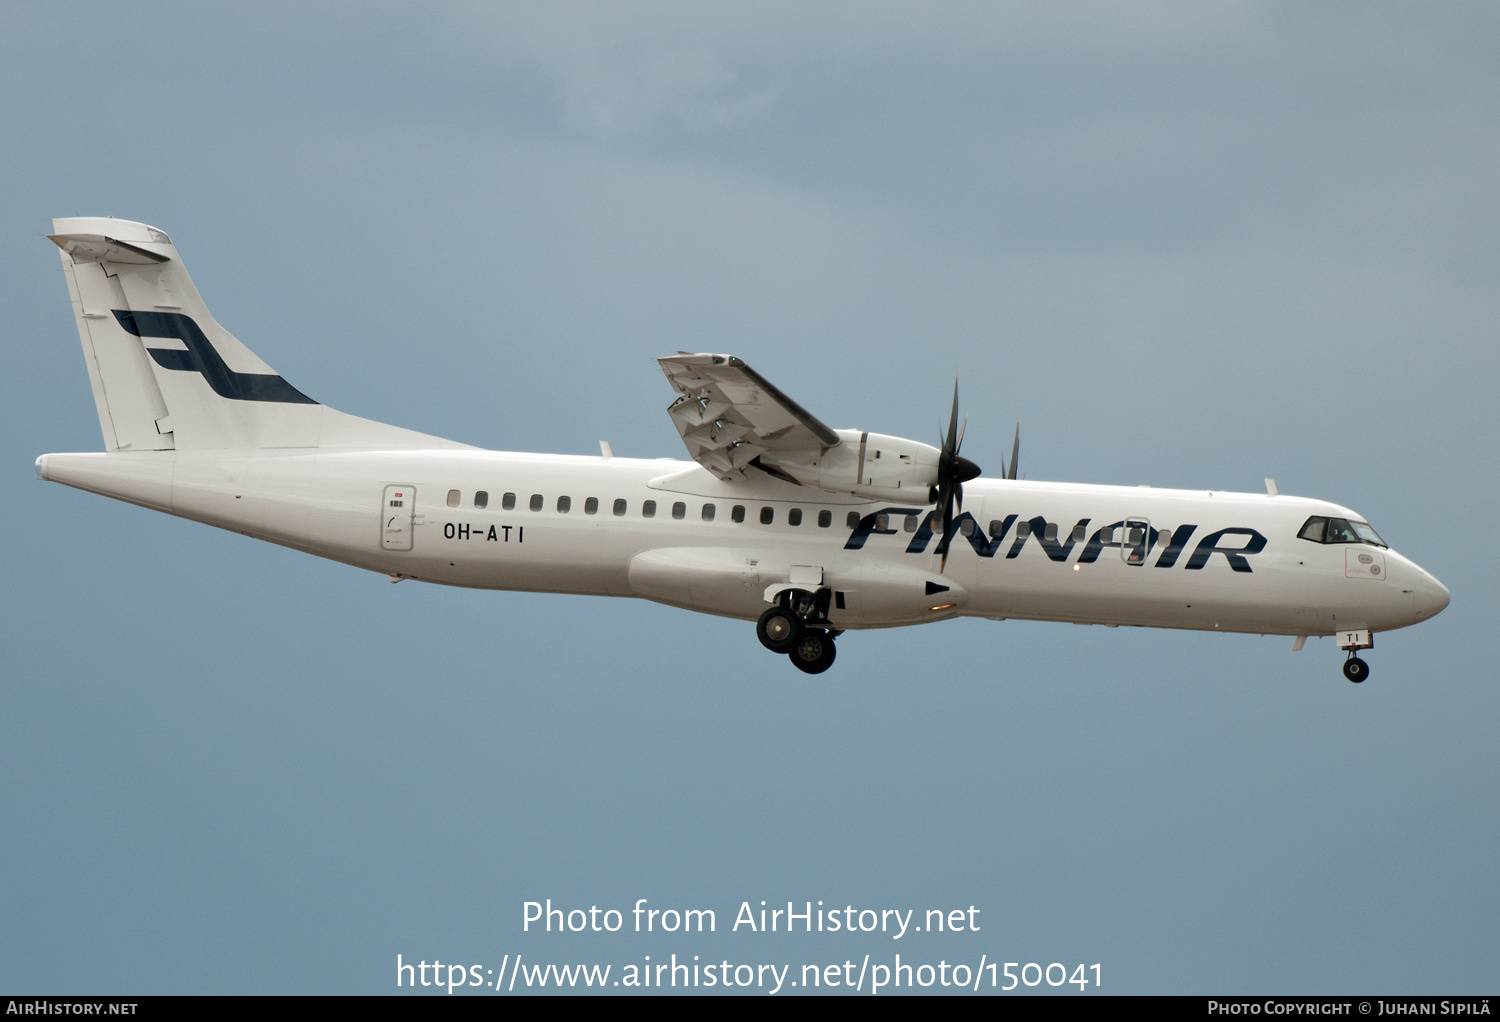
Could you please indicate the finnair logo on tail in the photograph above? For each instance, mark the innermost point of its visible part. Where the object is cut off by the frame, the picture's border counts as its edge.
(201, 357)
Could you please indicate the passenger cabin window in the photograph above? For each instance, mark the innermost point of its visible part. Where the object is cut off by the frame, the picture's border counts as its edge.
(620, 507)
(910, 525)
(508, 502)
(708, 512)
(481, 499)
(767, 515)
(679, 510)
(648, 509)
(852, 520)
(794, 516)
(536, 502)
(1080, 533)
(883, 523)
(564, 505)
(1023, 529)
(453, 498)
(1050, 532)
(825, 519)
(591, 506)
(997, 528)
(737, 514)
(966, 526)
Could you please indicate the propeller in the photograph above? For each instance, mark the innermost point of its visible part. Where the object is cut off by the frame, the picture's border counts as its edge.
(953, 471)
(1015, 454)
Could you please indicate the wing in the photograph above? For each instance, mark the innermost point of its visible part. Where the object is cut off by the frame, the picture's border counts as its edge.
(729, 415)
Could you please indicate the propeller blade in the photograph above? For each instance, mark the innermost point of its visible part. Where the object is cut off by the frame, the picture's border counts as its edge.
(947, 540)
(951, 444)
(1015, 452)
(953, 471)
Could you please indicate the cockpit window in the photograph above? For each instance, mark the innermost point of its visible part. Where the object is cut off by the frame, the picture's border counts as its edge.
(1339, 530)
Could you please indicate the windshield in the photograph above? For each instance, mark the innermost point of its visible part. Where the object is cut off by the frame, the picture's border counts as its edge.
(1339, 530)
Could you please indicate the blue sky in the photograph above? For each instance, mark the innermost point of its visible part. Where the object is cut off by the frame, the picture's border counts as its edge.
(1189, 245)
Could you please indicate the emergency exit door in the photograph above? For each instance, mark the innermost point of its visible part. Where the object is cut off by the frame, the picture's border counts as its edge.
(1135, 540)
(396, 513)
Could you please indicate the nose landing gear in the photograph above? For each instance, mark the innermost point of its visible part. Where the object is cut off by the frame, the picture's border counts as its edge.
(798, 626)
(1355, 669)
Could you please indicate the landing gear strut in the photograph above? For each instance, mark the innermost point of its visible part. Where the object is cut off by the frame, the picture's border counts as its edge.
(798, 626)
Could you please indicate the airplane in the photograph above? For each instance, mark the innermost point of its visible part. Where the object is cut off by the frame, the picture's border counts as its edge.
(808, 531)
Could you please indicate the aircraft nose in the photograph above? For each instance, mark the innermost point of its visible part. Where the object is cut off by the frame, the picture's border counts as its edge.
(1432, 595)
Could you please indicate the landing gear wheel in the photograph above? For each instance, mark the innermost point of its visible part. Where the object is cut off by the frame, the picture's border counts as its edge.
(1356, 670)
(777, 629)
(813, 652)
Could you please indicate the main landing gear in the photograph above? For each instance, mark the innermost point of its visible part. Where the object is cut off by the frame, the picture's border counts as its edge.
(798, 626)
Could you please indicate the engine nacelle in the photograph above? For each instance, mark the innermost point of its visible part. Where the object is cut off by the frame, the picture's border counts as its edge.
(869, 465)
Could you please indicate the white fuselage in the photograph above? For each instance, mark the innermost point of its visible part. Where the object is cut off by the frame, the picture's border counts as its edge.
(883, 571)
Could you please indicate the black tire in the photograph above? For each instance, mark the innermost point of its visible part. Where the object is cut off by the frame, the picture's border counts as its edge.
(813, 652)
(1356, 670)
(777, 629)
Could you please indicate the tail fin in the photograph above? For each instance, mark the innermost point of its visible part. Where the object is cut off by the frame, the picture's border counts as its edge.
(166, 375)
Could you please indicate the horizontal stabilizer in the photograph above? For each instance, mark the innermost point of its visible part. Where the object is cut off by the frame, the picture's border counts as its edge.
(101, 248)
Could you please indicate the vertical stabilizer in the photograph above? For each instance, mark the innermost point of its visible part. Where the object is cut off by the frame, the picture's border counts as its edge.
(132, 412)
(166, 375)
